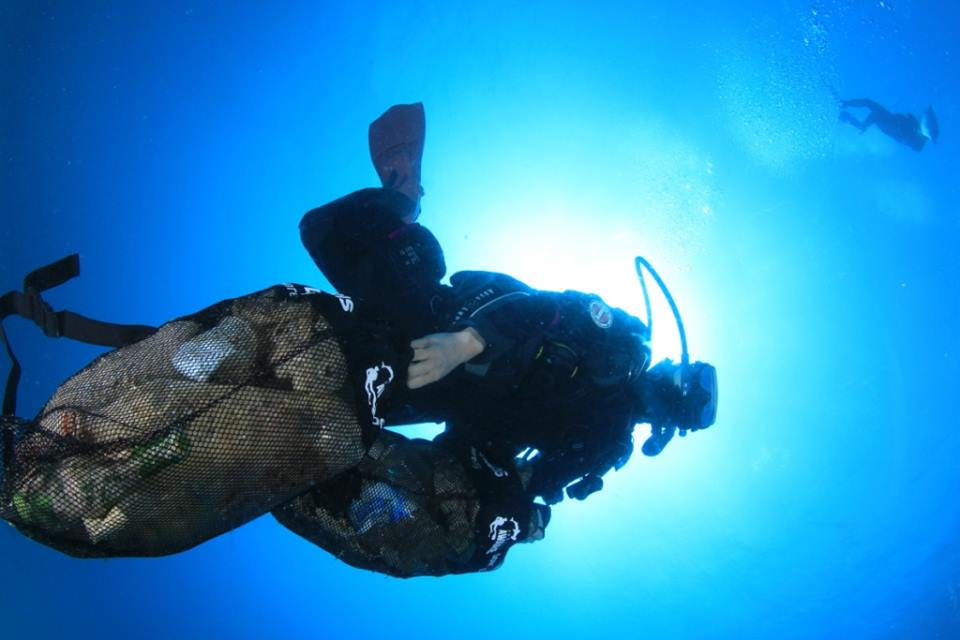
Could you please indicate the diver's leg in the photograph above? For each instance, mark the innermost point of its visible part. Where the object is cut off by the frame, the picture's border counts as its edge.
(348, 238)
(366, 250)
(336, 233)
(846, 116)
(878, 114)
(865, 103)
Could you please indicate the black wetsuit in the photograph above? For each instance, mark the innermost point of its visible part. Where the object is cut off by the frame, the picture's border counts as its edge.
(276, 401)
(554, 363)
(902, 127)
(546, 404)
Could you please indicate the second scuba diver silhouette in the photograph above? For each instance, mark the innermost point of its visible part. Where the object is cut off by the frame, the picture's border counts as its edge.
(905, 128)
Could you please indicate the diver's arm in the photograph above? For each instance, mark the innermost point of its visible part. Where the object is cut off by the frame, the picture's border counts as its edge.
(501, 329)
(574, 330)
(495, 320)
(505, 313)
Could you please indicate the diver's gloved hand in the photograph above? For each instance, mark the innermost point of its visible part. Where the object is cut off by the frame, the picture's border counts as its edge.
(436, 355)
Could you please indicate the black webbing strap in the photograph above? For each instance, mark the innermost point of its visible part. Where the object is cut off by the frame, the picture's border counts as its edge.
(30, 304)
(13, 379)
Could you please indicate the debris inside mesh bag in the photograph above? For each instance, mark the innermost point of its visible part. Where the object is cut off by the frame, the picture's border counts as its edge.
(214, 419)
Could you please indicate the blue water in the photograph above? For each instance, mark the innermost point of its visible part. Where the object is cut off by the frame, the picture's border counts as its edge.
(176, 147)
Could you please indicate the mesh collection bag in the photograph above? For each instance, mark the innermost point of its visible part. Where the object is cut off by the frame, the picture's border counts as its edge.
(413, 507)
(408, 509)
(211, 421)
(267, 402)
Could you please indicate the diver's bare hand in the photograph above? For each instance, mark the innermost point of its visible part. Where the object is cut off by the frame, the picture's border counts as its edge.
(436, 355)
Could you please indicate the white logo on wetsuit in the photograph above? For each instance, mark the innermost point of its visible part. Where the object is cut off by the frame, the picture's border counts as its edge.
(502, 530)
(346, 302)
(297, 290)
(378, 377)
(601, 314)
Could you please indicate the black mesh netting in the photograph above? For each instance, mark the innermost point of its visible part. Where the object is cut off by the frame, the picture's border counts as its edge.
(408, 509)
(210, 422)
(255, 404)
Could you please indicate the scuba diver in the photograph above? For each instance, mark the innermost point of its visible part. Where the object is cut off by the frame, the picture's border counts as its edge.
(905, 128)
(278, 401)
(539, 391)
